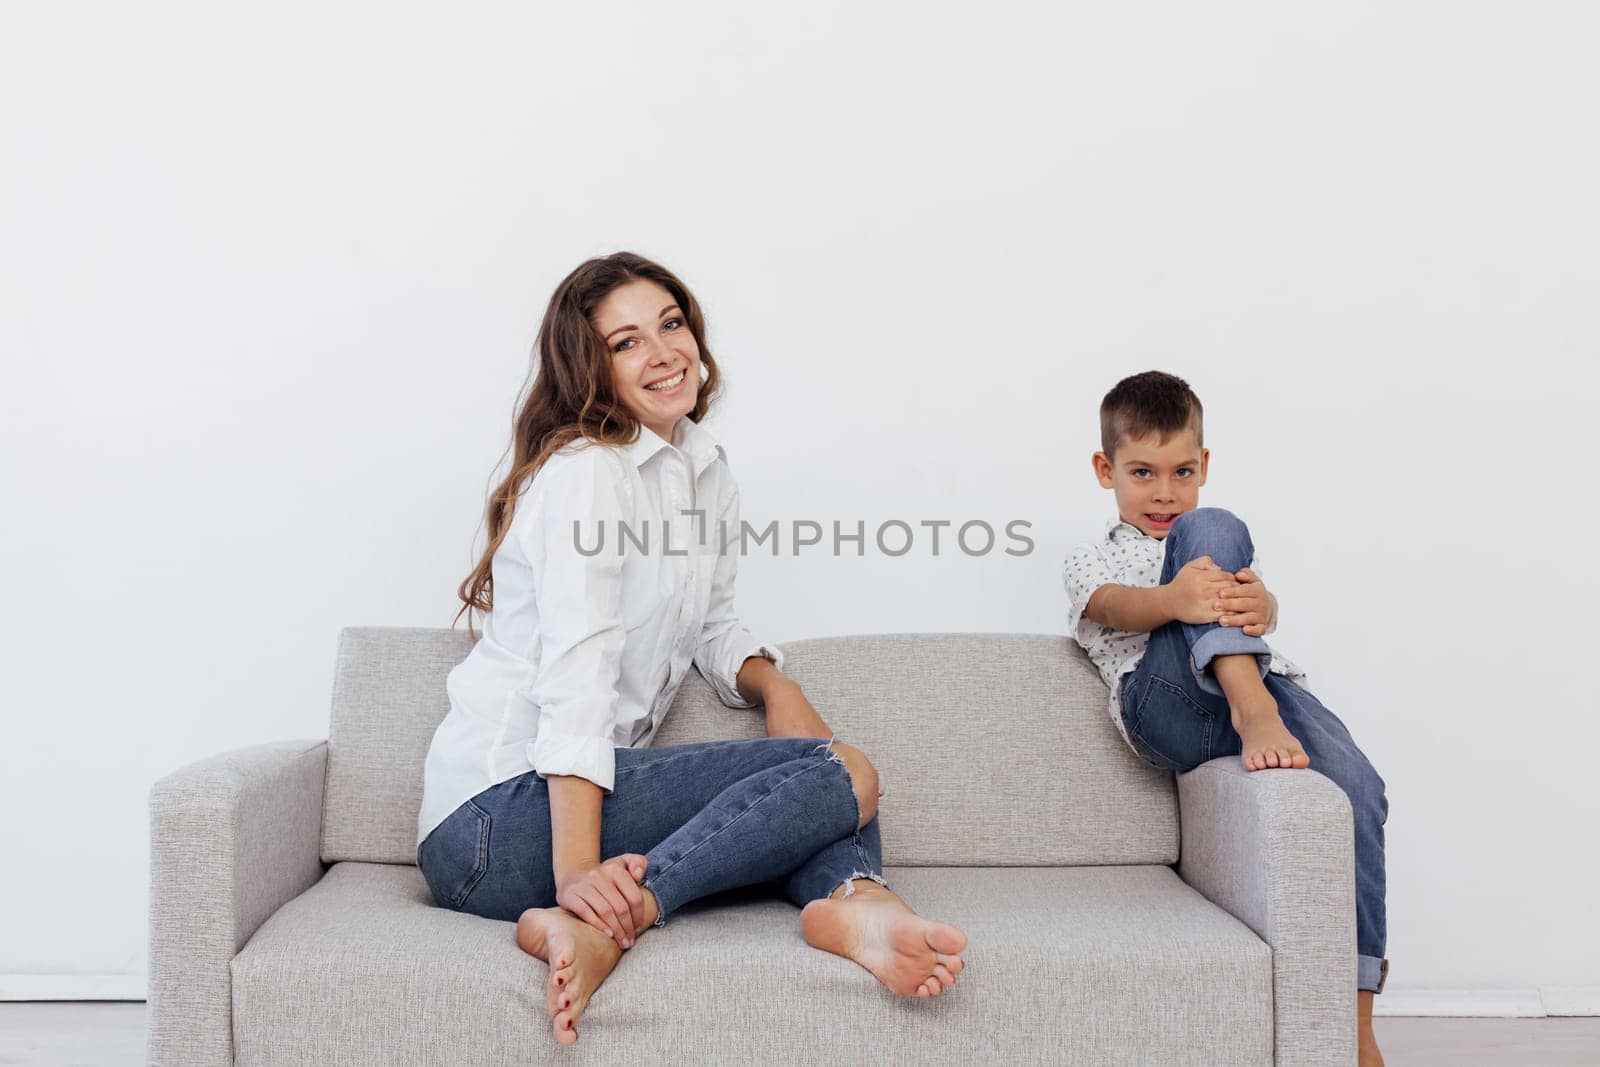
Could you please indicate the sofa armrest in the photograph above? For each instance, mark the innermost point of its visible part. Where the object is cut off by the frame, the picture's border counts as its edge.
(232, 839)
(1275, 849)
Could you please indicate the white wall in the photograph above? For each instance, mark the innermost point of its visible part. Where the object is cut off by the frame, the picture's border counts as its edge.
(269, 275)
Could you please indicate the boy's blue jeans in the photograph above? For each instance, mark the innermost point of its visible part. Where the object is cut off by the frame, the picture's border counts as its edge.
(706, 817)
(1177, 717)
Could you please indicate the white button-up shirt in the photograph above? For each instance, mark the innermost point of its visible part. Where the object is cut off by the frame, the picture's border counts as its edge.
(610, 582)
(1125, 555)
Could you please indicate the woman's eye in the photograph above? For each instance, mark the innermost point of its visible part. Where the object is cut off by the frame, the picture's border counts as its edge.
(622, 346)
(672, 324)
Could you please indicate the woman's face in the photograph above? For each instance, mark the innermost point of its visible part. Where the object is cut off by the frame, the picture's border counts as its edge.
(655, 364)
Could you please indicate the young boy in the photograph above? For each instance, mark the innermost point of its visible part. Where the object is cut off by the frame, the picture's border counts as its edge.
(1170, 607)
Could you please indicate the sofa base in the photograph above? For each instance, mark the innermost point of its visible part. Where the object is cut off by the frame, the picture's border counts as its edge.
(1102, 965)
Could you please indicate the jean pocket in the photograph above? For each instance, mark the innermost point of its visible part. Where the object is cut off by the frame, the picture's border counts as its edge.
(1142, 749)
(455, 856)
(1172, 726)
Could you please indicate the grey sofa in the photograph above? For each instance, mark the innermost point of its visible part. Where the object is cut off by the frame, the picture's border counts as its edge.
(1116, 914)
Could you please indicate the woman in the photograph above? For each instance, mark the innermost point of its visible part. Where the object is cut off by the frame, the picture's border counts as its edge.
(604, 578)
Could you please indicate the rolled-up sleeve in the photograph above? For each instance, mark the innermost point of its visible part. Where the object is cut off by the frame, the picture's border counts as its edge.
(725, 643)
(1084, 571)
(578, 592)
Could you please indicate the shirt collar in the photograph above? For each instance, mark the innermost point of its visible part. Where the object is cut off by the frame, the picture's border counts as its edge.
(1117, 530)
(688, 437)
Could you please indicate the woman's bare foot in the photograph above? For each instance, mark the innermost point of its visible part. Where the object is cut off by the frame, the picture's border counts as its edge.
(911, 955)
(1264, 740)
(580, 958)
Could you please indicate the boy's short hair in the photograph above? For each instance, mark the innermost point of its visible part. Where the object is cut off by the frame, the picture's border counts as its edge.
(1152, 402)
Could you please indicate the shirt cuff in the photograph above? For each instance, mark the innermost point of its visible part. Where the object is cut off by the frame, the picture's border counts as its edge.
(594, 758)
(732, 697)
(769, 652)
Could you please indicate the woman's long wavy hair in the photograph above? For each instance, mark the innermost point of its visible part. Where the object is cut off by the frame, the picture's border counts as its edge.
(570, 394)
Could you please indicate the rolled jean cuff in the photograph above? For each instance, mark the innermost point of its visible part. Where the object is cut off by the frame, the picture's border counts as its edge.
(1371, 973)
(1225, 641)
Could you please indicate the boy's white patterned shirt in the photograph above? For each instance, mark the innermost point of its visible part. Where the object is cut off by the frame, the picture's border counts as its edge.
(1125, 555)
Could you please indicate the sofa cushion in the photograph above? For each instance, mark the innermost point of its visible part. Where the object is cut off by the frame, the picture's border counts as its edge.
(993, 749)
(1086, 964)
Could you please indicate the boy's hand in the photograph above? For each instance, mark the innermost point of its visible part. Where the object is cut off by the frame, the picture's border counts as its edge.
(1247, 605)
(1194, 593)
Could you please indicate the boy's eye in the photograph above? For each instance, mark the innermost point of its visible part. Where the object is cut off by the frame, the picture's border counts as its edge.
(1141, 472)
(1184, 472)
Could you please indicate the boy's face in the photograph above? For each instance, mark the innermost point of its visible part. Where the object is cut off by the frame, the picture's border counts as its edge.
(1155, 481)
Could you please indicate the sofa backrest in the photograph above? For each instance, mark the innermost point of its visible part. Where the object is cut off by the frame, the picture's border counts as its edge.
(992, 749)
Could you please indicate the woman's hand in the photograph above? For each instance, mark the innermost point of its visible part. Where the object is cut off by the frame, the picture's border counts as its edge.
(607, 896)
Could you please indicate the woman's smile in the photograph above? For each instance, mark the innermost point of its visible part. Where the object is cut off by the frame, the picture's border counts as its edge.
(669, 385)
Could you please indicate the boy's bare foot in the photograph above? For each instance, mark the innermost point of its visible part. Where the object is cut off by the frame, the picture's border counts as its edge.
(1366, 1040)
(1264, 740)
(911, 955)
(580, 958)
(1367, 1051)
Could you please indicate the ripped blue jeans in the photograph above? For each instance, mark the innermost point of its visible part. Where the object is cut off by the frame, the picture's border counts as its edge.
(707, 818)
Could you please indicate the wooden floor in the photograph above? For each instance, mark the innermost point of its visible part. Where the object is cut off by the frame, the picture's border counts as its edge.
(51, 1034)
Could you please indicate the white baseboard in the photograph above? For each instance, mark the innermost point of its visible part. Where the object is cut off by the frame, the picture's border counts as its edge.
(1571, 999)
(1502, 1003)
(1458, 1003)
(72, 987)
(1491, 1003)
